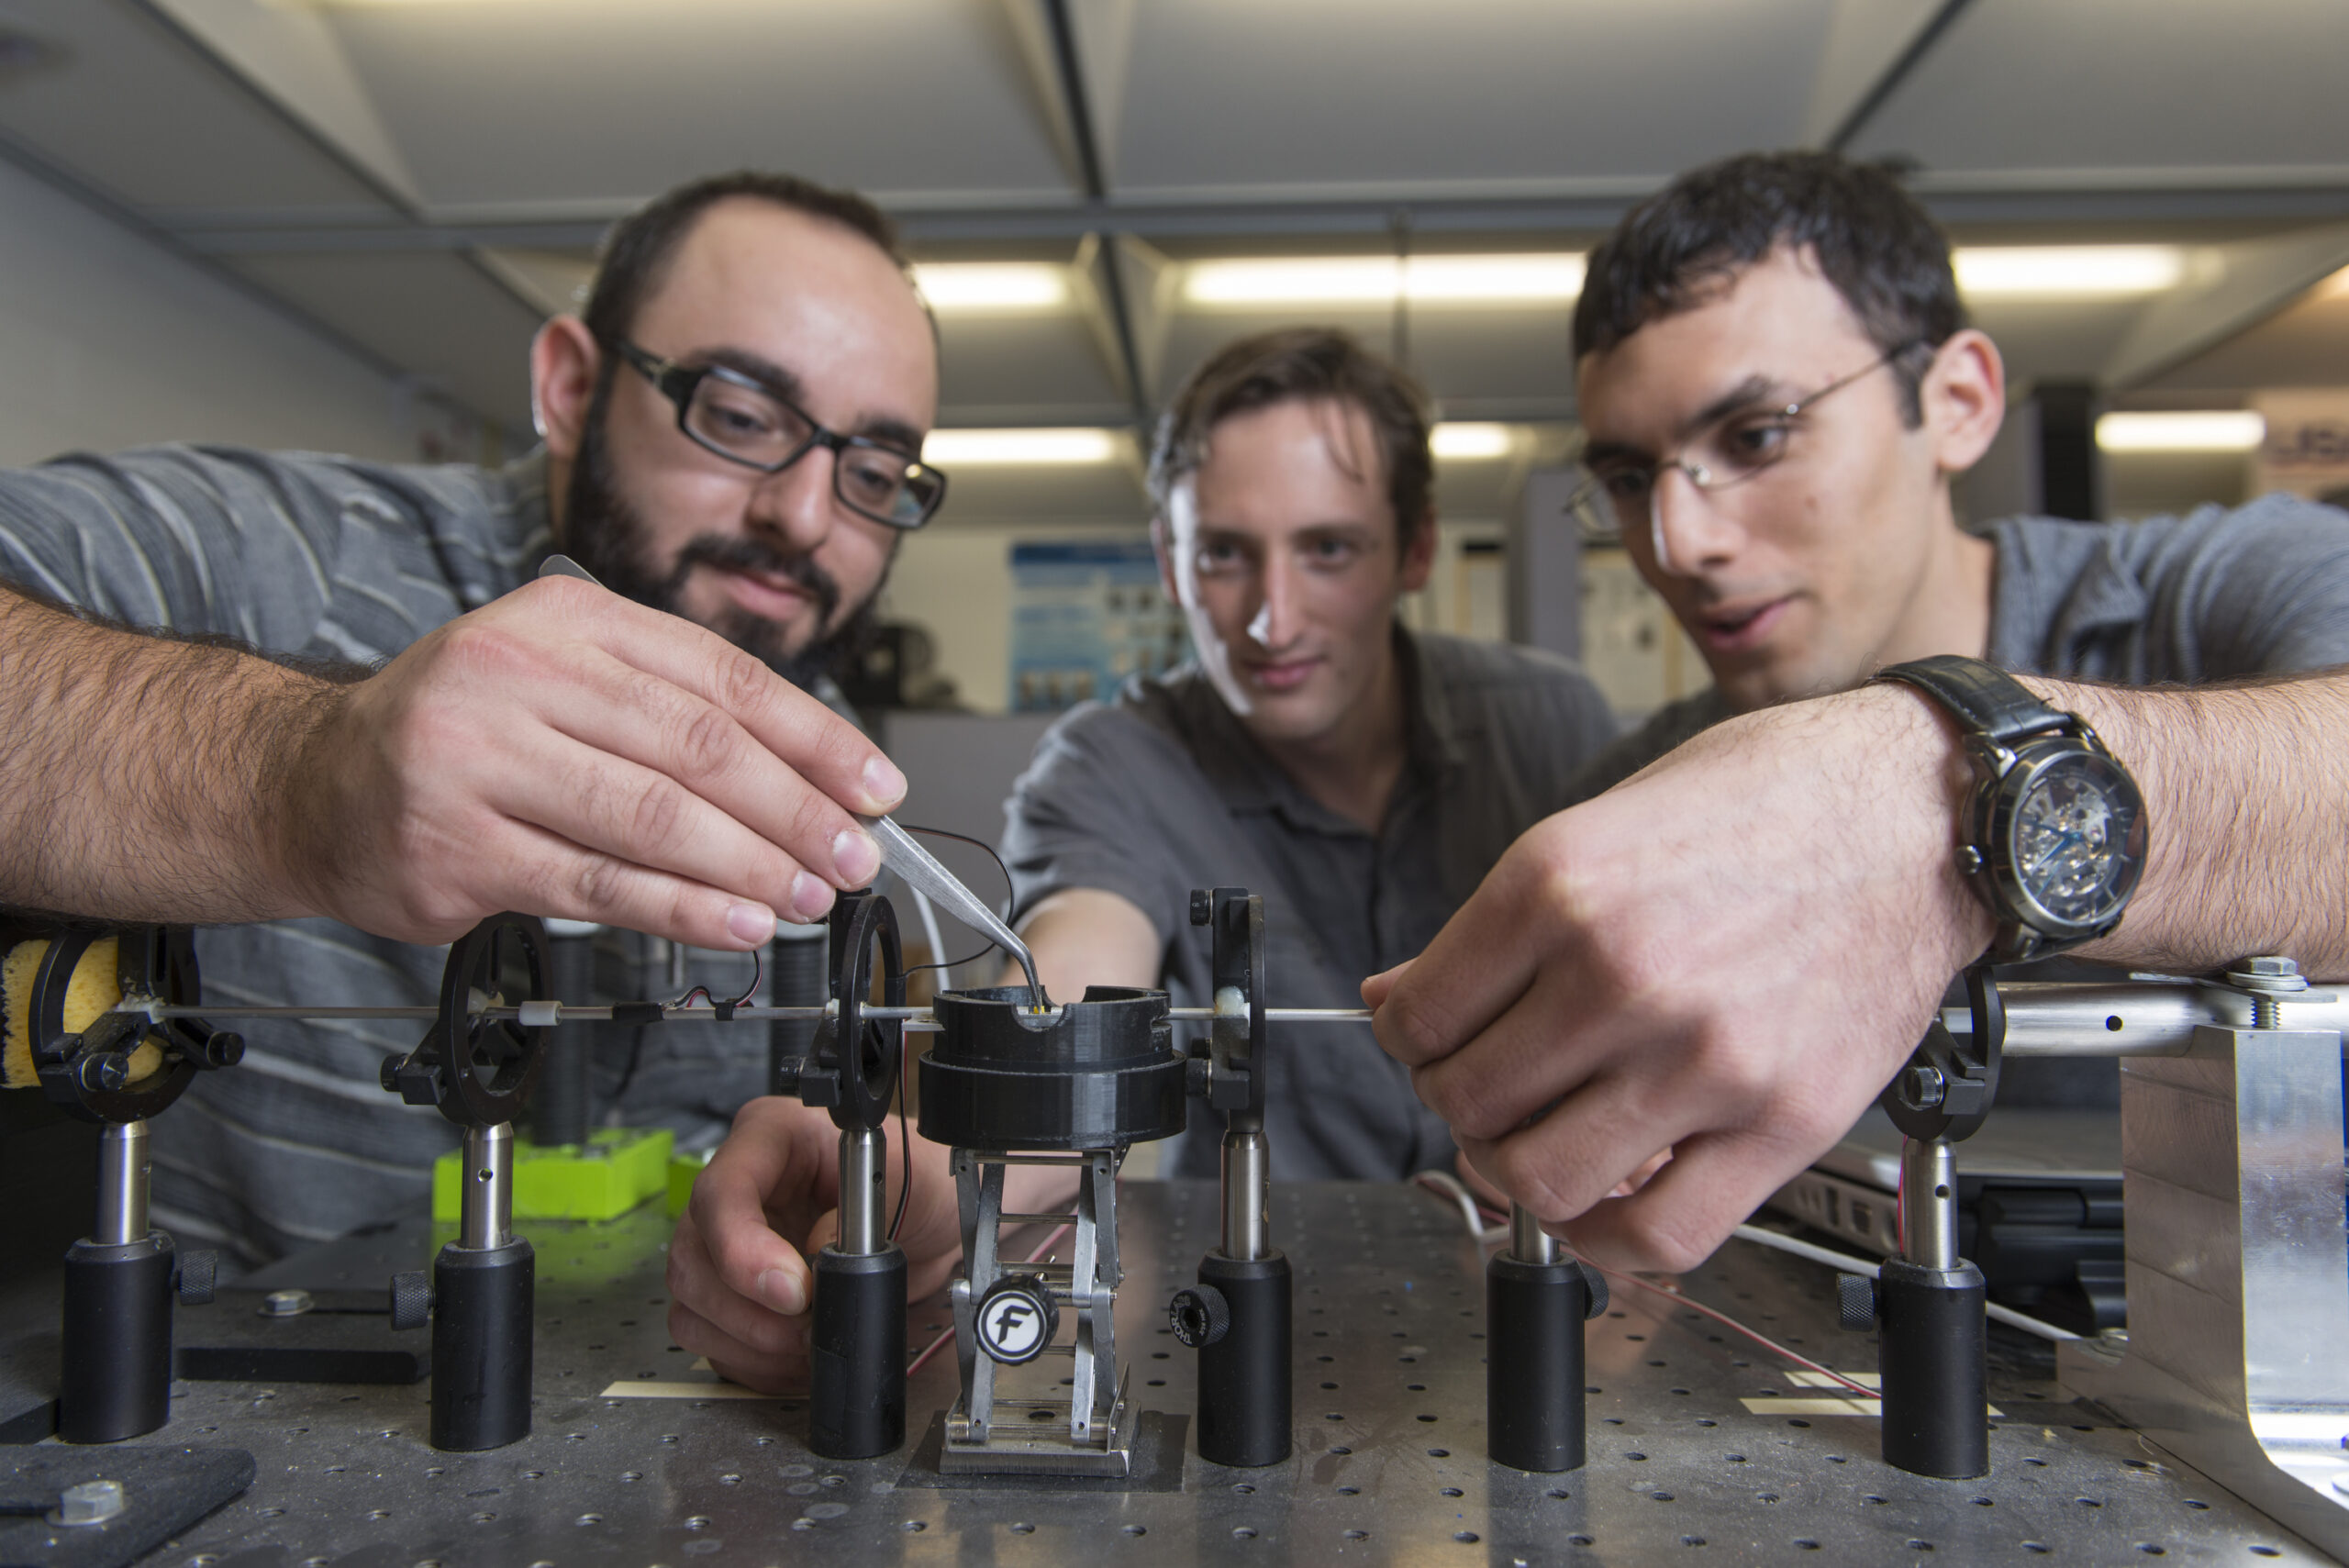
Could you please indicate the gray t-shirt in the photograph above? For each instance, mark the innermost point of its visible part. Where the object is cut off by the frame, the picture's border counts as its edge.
(329, 557)
(1163, 791)
(2218, 594)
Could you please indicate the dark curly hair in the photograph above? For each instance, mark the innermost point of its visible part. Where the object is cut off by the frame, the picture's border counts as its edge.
(1877, 247)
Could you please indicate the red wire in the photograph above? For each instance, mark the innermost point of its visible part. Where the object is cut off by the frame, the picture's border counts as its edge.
(1728, 1322)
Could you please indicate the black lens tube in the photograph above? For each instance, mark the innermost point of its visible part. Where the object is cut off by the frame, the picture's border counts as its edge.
(559, 1111)
(1244, 1374)
(856, 1407)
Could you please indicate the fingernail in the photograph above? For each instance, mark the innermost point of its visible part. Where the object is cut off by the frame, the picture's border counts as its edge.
(751, 923)
(855, 856)
(779, 1288)
(884, 783)
(810, 895)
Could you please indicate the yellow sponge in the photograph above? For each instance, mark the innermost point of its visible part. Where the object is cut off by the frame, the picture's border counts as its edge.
(93, 990)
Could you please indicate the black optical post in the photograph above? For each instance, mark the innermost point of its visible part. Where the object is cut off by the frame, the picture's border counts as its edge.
(1536, 1301)
(857, 1350)
(1927, 1304)
(115, 1354)
(1238, 1315)
(479, 1072)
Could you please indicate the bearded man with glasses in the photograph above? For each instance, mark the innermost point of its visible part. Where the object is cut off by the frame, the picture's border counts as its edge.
(320, 706)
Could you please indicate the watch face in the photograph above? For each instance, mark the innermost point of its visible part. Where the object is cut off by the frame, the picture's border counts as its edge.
(2078, 838)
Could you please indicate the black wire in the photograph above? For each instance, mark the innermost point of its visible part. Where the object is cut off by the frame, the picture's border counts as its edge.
(636, 1044)
(1007, 890)
(905, 1143)
(758, 972)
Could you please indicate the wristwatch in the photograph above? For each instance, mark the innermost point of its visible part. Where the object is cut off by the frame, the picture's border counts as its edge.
(2053, 838)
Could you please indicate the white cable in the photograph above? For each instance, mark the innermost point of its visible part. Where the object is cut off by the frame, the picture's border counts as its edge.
(1457, 1191)
(1851, 1265)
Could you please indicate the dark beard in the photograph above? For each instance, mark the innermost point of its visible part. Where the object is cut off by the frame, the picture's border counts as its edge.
(605, 535)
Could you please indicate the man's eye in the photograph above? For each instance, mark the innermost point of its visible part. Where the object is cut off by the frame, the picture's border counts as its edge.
(1219, 557)
(737, 417)
(1764, 440)
(1624, 484)
(1331, 551)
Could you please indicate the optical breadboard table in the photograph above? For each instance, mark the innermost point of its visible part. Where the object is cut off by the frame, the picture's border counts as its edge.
(1703, 1446)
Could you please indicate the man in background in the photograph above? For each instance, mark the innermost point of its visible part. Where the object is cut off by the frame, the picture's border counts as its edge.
(1361, 777)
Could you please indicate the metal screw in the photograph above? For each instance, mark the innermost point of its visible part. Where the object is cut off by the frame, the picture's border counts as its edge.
(1923, 1086)
(287, 1302)
(2269, 977)
(90, 1503)
(105, 1073)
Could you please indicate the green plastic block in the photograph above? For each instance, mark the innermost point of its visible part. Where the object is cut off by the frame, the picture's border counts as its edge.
(617, 1169)
(683, 1169)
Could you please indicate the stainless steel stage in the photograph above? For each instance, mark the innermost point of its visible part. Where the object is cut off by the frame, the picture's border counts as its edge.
(1702, 1447)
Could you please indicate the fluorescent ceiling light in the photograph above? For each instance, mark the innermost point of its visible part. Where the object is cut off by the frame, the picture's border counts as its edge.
(954, 287)
(1454, 440)
(2065, 271)
(2212, 431)
(972, 448)
(1377, 280)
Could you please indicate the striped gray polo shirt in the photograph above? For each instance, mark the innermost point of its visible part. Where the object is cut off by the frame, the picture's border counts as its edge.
(331, 557)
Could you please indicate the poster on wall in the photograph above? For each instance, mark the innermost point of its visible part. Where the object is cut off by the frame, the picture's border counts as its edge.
(1086, 614)
(2306, 450)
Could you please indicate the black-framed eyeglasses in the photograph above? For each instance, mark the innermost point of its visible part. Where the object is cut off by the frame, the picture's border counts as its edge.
(1740, 445)
(745, 421)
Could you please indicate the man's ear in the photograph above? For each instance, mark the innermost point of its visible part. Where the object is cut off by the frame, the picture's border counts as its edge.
(1419, 556)
(564, 361)
(1964, 398)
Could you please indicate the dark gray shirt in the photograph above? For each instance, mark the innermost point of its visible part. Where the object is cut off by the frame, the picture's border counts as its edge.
(1164, 790)
(333, 557)
(2260, 589)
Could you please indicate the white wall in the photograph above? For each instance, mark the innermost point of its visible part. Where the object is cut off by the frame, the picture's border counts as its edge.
(108, 339)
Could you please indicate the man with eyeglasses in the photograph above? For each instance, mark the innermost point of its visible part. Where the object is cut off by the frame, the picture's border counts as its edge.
(325, 697)
(1725, 956)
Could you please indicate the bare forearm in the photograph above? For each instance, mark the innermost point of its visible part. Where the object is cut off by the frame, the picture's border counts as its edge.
(1083, 936)
(137, 779)
(2247, 798)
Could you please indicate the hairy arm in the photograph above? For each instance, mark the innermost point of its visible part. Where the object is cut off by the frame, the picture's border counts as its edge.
(130, 782)
(560, 751)
(2247, 798)
(1083, 936)
(1730, 954)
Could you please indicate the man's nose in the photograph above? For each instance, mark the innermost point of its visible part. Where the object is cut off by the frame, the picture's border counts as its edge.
(1687, 531)
(799, 503)
(1278, 614)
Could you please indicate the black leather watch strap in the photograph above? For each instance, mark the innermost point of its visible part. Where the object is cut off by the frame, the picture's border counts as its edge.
(1985, 698)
